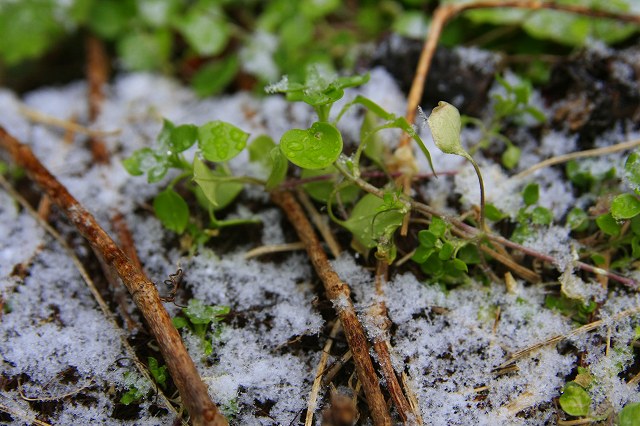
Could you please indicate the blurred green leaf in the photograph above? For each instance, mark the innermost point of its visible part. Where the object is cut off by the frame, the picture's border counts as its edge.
(172, 210)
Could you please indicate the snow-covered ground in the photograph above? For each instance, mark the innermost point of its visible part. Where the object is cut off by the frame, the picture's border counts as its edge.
(449, 343)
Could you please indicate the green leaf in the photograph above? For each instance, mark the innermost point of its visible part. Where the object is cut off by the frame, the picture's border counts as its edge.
(367, 224)
(608, 224)
(260, 148)
(314, 148)
(493, 213)
(212, 78)
(158, 372)
(421, 254)
(427, 239)
(531, 194)
(632, 171)
(574, 400)
(469, 254)
(180, 322)
(110, 18)
(140, 50)
(433, 265)
(510, 157)
(629, 415)
(134, 164)
(216, 189)
(27, 29)
(322, 190)
(446, 251)
(220, 141)
(577, 219)
(205, 30)
(172, 210)
(278, 169)
(183, 137)
(459, 264)
(131, 396)
(437, 227)
(625, 206)
(199, 313)
(541, 216)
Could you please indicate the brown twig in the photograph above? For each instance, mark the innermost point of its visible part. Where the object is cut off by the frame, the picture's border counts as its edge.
(381, 346)
(90, 285)
(320, 224)
(317, 382)
(144, 293)
(340, 294)
(97, 76)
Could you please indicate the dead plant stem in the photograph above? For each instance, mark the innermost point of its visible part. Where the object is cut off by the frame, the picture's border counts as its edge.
(144, 293)
(340, 294)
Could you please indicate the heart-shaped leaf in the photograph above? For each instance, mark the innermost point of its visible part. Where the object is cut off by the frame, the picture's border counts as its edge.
(315, 148)
(220, 141)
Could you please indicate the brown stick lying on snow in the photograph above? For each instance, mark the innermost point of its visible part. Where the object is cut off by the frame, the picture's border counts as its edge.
(338, 292)
(181, 367)
(97, 76)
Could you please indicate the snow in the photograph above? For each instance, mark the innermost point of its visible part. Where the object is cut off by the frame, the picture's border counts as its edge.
(448, 342)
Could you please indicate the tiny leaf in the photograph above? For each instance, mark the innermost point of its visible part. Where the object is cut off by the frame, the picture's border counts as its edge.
(531, 194)
(574, 400)
(221, 141)
(437, 226)
(172, 210)
(629, 415)
(577, 219)
(511, 156)
(367, 224)
(625, 206)
(183, 137)
(608, 224)
(314, 148)
(279, 166)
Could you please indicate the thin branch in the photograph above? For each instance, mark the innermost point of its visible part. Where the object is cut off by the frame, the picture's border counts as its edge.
(320, 224)
(40, 117)
(577, 154)
(97, 76)
(555, 339)
(312, 402)
(340, 294)
(382, 347)
(274, 248)
(89, 283)
(193, 391)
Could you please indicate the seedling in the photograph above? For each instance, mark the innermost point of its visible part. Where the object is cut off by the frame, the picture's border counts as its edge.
(443, 257)
(203, 320)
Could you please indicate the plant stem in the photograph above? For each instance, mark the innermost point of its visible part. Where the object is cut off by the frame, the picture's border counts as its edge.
(469, 232)
(340, 294)
(192, 389)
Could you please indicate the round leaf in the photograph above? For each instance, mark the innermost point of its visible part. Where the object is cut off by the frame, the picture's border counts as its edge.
(314, 148)
(172, 210)
(183, 137)
(220, 141)
(630, 414)
(574, 400)
(625, 206)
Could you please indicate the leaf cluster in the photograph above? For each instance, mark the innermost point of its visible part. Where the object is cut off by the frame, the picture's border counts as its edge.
(203, 320)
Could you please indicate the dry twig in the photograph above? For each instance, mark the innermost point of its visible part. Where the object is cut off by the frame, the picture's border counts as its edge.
(144, 293)
(340, 294)
(97, 76)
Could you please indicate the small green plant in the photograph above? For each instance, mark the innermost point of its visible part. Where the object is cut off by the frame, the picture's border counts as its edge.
(530, 216)
(137, 388)
(442, 256)
(203, 320)
(512, 106)
(159, 372)
(214, 189)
